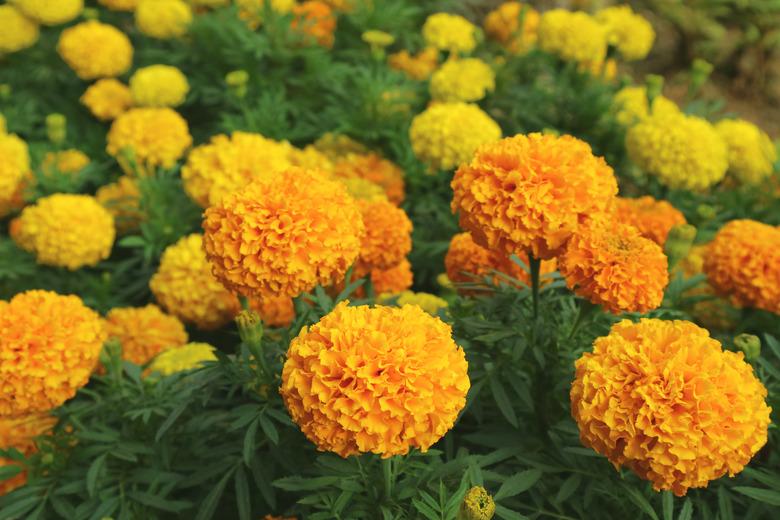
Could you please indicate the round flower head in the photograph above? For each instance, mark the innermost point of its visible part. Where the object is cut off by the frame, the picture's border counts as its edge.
(530, 193)
(503, 25)
(394, 280)
(123, 200)
(380, 380)
(388, 236)
(373, 167)
(66, 230)
(417, 67)
(49, 346)
(630, 33)
(684, 152)
(573, 36)
(227, 164)
(179, 359)
(752, 154)
(275, 311)
(663, 399)
(19, 32)
(47, 12)
(316, 20)
(144, 332)
(151, 137)
(119, 5)
(430, 303)
(14, 164)
(450, 32)
(743, 262)
(469, 79)
(95, 50)
(19, 433)
(107, 99)
(447, 134)
(283, 235)
(163, 19)
(184, 286)
(653, 218)
(159, 86)
(309, 157)
(631, 105)
(69, 161)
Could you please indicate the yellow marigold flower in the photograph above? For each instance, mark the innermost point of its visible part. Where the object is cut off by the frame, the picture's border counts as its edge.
(315, 19)
(743, 262)
(179, 359)
(450, 32)
(419, 66)
(107, 99)
(530, 193)
(49, 347)
(227, 164)
(364, 189)
(477, 505)
(123, 200)
(19, 433)
(430, 303)
(388, 236)
(119, 5)
(663, 399)
(144, 332)
(163, 19)
(251, 11)
(752, 154)
(374, 168)
(468, 79)
(47, 12)
(573, 36)
(95, 50)
(380, 380)
(306, 230)
(151, 136)
(337, 146)
(653, 218)
(309, 157)
(503, 25)
(394, 280)
(66, 230)
(184, 286)
(14, 165)
(19, 32)
(631, 105)
(630, 33)
(447, 134)
(159, 86)
(275, 311)
(69, 161)
(377, 39)
(684, 152)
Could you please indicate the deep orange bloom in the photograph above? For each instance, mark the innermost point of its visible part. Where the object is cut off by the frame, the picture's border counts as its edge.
(316, 19)
(144, 332)
(373, 167)
(653, 218)
(388, 236)
(394, 280)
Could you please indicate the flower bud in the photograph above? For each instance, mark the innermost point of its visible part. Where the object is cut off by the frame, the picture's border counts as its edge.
(700, 73)
(237, 82)
(477, 505)
(378, 40)
(90, 13)
(56, 128)
(679, 242)
(705, 212)
(654, 84)
(5, 91)
(750, 345)
(250, 327)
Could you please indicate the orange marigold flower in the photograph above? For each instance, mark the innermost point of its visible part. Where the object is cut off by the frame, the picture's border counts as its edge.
(613, 265)
(19, 433)
(394, 280)
(663, 399)
(144, 332)
(653, 218)
(743, 262)
(315, 19)
(503, 25)
(388, 236)
(373, 167)
(531, 192)
(380, 380)
(283, 235)
(275, 311)
(49, 346)
(419, 66)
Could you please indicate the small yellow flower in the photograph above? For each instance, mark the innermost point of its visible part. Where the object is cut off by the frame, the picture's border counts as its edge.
(70, 161)
(378, 39)
(631, 105)
(19, 32)
(477, 505)
(418, 67)
(107, 98)
(179, 359)
(48, 12)
(122, 199)
(430, 303)
(95, 50)
(630, 33)
(159, 86)
(450, 32)
(468, 80)
(503, 25)
(573, 36)
(144, 332)
(163, 19)
(752, 154)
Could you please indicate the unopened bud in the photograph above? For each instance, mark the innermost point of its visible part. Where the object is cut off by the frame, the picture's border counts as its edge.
(654, 85)
(5, 91)
(56, 128)
(750, 345)
(378, 40)
(705, 212)
(477, 505)
(237, 82)
(679, 242)
(250, 327)
(700, 73)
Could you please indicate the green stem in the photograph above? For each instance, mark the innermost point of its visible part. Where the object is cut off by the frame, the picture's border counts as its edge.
(387, 473)
(535, 264)
(584, 312)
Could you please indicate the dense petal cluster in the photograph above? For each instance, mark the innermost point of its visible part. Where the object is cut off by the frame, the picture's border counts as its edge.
(394, 280)
(653, 218)
(65, 230)
(468, 79)
(19, 32)
(573, 36)
(144, 332)
(316, 20)
(275, 311)
(503, 25)
(381, 380)
(107, 98)
(159, 86)
(95, 50)
(631, 105)
(530, 193)
(283, 235)
(430, 303)
(178, 359)
(663, 399)
(49, 345)
(388, 236)
(70, 161)
(684, 152)
(450, 32)
(123, 200)
(447, 134)
(19, 433)
(743, 262)
(47, 12)
(752, 154)
(631, 34)
(163, 19)
(418, 66)
(373, 167)
(14, 165)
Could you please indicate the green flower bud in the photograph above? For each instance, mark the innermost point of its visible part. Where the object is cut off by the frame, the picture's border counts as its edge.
(654, 84)
(679, 242)
(477, 505)
(237, 82)
(750, 345)
(700, 73)
(5, 91)
(250, 327)
(56, 128)
(705, 212)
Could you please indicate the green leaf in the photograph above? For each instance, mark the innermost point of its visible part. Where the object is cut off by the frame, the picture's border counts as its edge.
(762, 495)
(508, 514)
(148, 499)
(166, 425)
(93, 473)
(425, 509)
(667, 500)
(269, 429)
(687, 510)
(518, 483)
(9, 471)
(105, 509)
(305, 484)
(502, 400)
(209, 505)
(249, 442)
(725, 508)
(568, 487)
(243, 499)
(640, 501)
(19, 509)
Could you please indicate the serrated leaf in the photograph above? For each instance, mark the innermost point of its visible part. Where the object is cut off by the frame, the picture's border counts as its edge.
(518, 483)
(508, 514)
(93, 473)
(766, 496)
(249, 442)
(243, 499)
(209, 505)
(502, 400)
(269, 429)
(169, 421)
(568, 487)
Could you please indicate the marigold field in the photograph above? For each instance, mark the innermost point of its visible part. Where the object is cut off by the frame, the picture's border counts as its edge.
(383, 259)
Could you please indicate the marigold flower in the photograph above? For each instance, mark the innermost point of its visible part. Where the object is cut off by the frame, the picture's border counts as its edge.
(70, 161)
(450, 32)
(743, 262)
(123, 200)
(530, 193)
(19, 433)
(663, 399)
(630, 33)
(447, 134)
(363, 189)
(684, 152)
(430, 303)
(151, 136)
(251, 11)
(14, 165)
(163, 19)
(144, 332)
(19, 32)
(179, 359)
(373, 167)
(107, 98)
(419, 66)
(394, 280)
(380, 380)
(66, 230)
(47, 12)
(573, 36)
(309, 157)
(95, 50)
(275, 311)
(388, 236)
(653, 218)
(315, 19)
(752, 154)
(49, 347)
(477, 505)
(119, 5)
(338, 146)
(468, 79)
(159, 86)
(503, 25)
(305, 230)
(631, 105)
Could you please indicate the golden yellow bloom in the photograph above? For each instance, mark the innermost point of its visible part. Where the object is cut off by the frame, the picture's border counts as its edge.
(47, 12)
(66, 230)
(447, 134)
(144, 332)
(419, 66)
(95, 50)
(159, 86)
(468, 79)
(19, 433)
(430, 303)
(380, 380)
(653, 218)
(337, 146)
(684, 152)
(316, 20)
(123, 200)
(19, 32)
(503, 25)
(227, 164)
(477, 505)
(309, 157)
(163, 19)
(450, 32)
(119, 5)
(179, 359)
(743, 262)
(153, 137)
(69, 161)
(663, 399)
(630, 33)
(530, 193)
(752, 154)
(573, 36)
(49, 347)
(363, 189)
(394, 280)
(275, 311)
(377, 39)
(14, 165)
(251, 11)
(305, 230)
(374, 168)
(631, 106)
(388, 236)
(107, 98)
